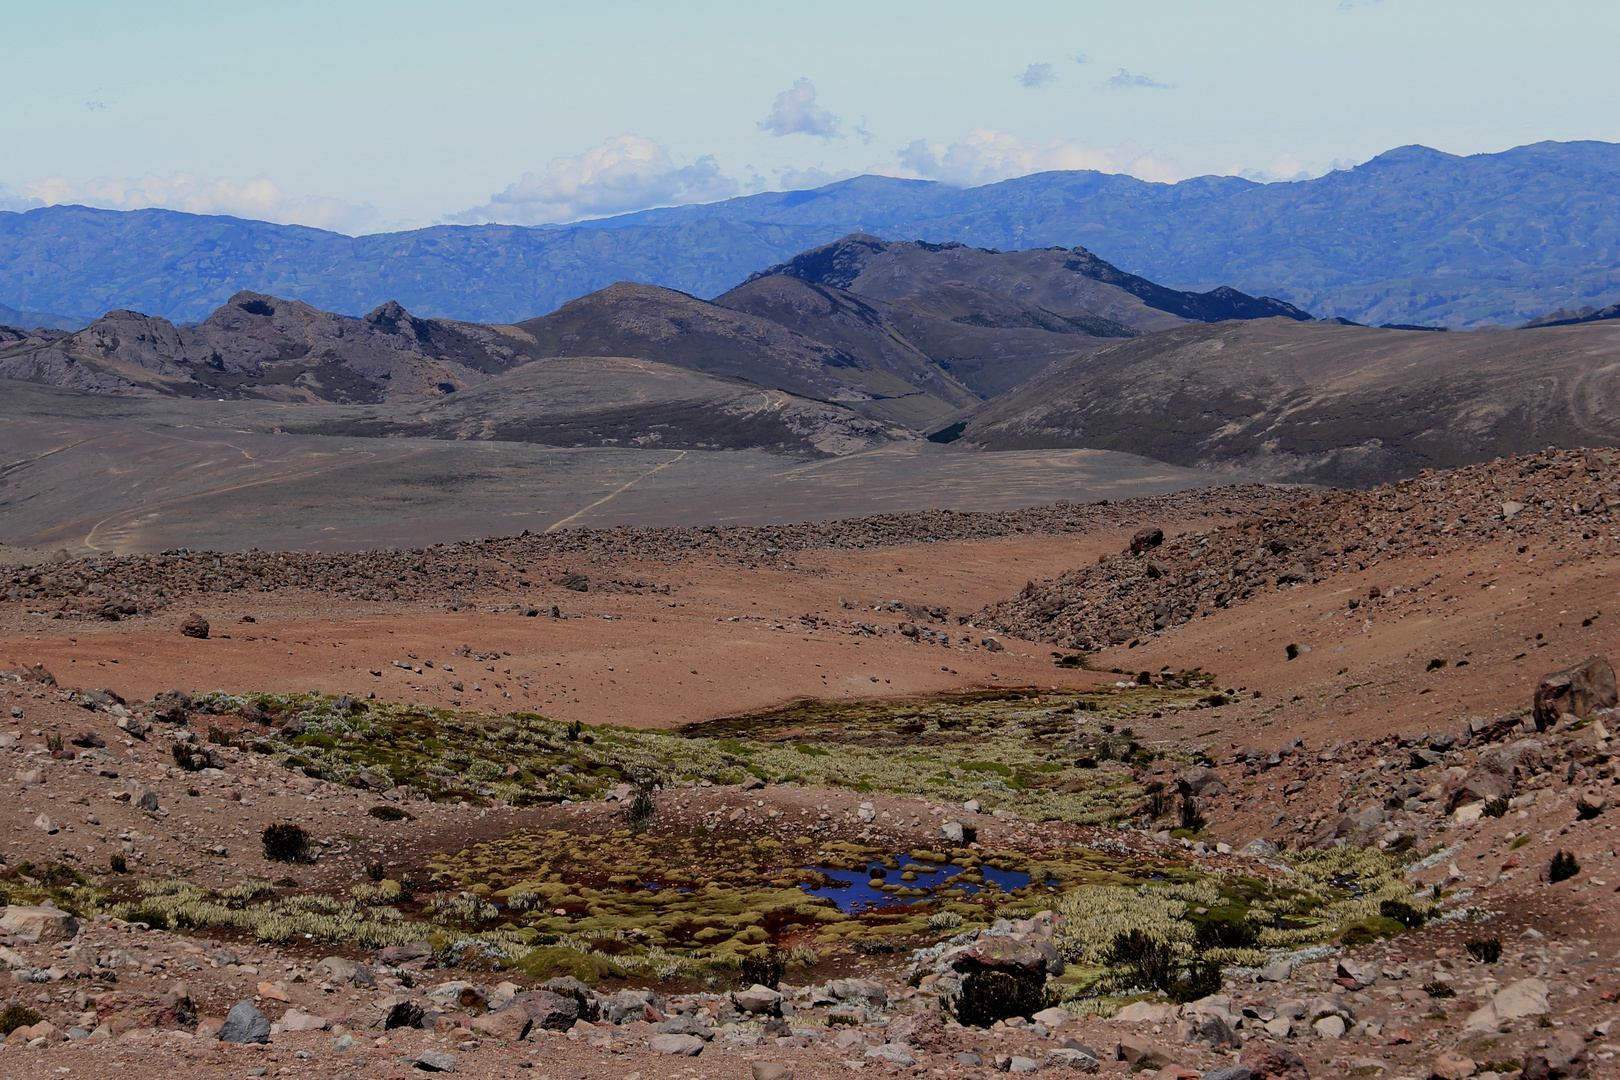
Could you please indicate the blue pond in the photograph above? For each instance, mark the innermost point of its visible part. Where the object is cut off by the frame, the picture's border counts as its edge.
(851, 889)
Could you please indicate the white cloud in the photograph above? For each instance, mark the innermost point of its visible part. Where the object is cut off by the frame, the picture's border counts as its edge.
(1286, 167)
(625, 173)
(1037, 75)
(987, 156)
(258, 199)
(1124, 80)
(796, 113)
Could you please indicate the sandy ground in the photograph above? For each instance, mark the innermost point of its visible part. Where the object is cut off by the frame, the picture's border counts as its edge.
(726, 640)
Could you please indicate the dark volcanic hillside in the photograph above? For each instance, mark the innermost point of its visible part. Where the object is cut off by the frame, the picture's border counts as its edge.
(262, 346)
(1321, 402)
(1057, 281)
(892, 382)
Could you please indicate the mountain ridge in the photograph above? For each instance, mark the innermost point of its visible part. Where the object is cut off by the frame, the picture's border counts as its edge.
(1412, 236)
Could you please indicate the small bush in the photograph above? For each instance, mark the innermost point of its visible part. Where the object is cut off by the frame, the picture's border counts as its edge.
(642, 811)
(1435, 665)
(988, 996)
(873, 947)
(1485, 950)
(53, 741)
(17, 1016)
(1199, 981)
(1438, 989)
(574, 728)
(287, 843)
(118, 864)
(384, 812)
(219, 736)
(763, 970)
(1496, 808)
(944, 920)
(1519, 842)
(1149, 960)
(1403, 913)
(1227, 934)
(1563, 867)
(376, 872)
(1191, 818)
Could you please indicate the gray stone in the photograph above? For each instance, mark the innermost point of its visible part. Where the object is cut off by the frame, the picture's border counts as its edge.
(1278, 972)
(684, 1025)
(38, 925)
(1079, 1060)
(1020, 1064)
(346, 972)
(859, 990)
(245, 1024)
(435, 1061)
(891, 1052)
(1228, 1072)
(682, 1045)
(758, 999)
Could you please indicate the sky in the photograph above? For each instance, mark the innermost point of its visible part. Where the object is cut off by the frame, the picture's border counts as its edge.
(364, 117)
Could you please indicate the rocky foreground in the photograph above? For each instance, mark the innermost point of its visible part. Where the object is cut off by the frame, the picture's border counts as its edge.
(1461, 920)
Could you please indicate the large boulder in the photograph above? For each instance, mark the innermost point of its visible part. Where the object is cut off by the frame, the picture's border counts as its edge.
(680, 1045)
(1141, 1052)
(1581, 690)
(40, 925)
(172, 707)
(129, 1010)
(245, 1024)
(1200, 781)
(1527, 997)
(548, 1010)
(758, 999)
(862, 990)
(509, 1024)
(999, 952)
(1145, 538)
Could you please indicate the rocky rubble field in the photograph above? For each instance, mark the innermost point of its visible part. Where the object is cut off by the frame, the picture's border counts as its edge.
(500, 568)
(1563, 498)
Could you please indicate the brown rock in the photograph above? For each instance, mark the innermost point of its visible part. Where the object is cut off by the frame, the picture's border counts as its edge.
(1143, 539)
(128, 1010)
(1000, 953)
(1269, 1061)
(1142, 1053)
(1581, 690)
(550, 1011)
(509, 1024)
(195, 626)
(1564, 1056)
(924, 1030)
(1452, 1065)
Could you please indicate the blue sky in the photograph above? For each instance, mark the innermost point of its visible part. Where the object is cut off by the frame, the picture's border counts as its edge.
(364, 116)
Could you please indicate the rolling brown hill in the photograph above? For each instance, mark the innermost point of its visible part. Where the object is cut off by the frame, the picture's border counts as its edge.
(1321, 402)
(851, 361)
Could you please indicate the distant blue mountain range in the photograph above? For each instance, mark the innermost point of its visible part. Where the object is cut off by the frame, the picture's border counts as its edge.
(1412, 236)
